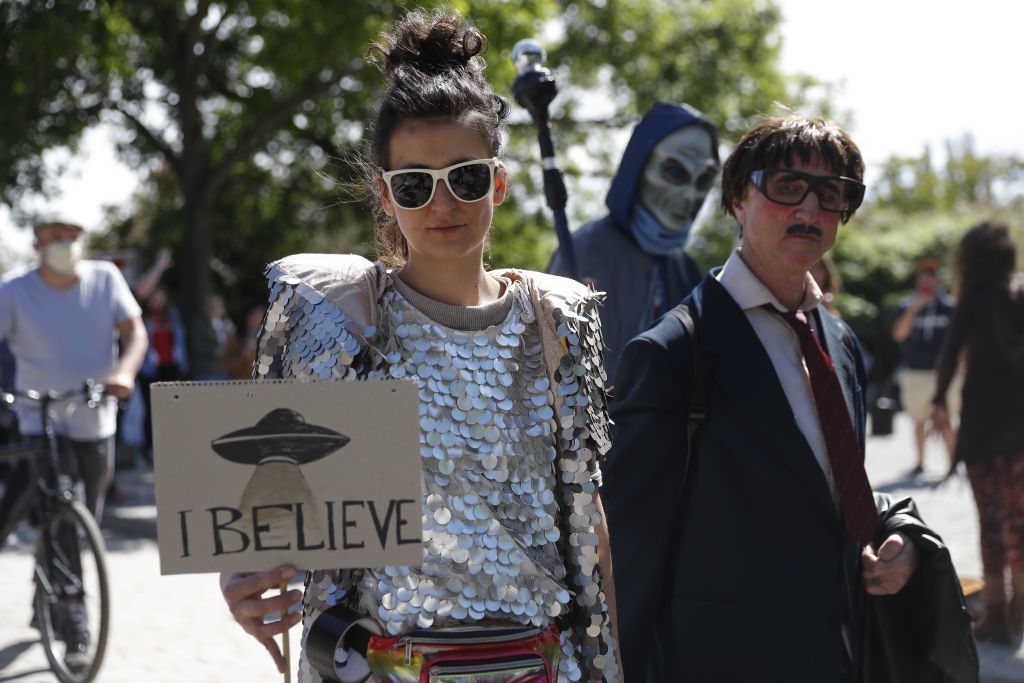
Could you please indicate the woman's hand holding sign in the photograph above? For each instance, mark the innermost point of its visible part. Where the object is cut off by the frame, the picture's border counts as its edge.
(243, 592)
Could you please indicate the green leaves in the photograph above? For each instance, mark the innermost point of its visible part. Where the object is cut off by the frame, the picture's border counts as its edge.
(235, 106)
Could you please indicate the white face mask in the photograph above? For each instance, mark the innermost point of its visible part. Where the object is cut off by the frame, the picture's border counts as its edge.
(62, 256)
(677, 177)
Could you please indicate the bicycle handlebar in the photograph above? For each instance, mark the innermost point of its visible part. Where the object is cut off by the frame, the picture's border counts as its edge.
(92, 391)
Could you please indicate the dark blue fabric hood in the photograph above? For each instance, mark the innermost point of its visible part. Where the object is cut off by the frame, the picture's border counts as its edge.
(661, 120)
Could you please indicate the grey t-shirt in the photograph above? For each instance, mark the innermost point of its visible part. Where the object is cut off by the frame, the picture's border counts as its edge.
(62, 337)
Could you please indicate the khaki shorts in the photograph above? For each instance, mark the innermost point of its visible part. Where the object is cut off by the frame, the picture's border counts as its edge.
(917, 388)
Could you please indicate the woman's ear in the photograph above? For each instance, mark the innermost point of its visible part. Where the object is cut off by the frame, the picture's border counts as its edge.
(500, 183)
(385, 197)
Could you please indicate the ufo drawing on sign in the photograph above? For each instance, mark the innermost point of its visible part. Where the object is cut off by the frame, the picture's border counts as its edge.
(282, 435)
(277, 446)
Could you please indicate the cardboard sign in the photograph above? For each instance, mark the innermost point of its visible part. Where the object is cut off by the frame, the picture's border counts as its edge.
(253, 475)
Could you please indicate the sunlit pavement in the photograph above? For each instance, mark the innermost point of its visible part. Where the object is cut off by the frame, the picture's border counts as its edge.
(163, 628)
(175, 628)
(949, 510)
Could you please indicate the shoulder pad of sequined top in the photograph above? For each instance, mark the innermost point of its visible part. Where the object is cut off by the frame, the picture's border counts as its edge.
(552, 291)
(349, 281)
(556, 285)
(554, 297)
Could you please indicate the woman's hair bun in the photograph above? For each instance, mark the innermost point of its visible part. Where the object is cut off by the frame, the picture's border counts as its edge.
(430, 43)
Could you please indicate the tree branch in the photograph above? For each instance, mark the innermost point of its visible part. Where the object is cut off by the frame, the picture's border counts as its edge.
(249, 139)
(220, 85)
(204, 59)
(194, 21)
(156, 142)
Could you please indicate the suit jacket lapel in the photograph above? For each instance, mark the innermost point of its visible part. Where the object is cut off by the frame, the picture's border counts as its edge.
(830, 334)
(744, 371)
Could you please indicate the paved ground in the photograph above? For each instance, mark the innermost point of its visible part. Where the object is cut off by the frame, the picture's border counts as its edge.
(175, 628)
(163, 628)
(949, 509)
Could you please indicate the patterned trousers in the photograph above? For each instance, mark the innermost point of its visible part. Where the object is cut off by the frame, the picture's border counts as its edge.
(998, 486)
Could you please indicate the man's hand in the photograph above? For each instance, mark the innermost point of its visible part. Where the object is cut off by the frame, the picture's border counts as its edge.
(119, 385)
(244, 595)
(887, 572)
(903, 326)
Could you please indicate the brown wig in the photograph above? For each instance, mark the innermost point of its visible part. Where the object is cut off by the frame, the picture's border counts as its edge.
(985, 257)
(777, 142)
(434, 70)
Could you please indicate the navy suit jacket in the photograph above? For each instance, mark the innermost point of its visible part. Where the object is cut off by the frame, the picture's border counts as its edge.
(731, 562)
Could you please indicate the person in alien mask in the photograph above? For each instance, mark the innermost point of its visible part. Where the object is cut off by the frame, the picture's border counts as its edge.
(636, 253)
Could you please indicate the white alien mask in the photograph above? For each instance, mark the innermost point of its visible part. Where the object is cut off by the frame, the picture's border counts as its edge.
(677, 177)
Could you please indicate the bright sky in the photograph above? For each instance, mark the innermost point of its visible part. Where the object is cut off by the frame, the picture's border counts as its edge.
(916, 72)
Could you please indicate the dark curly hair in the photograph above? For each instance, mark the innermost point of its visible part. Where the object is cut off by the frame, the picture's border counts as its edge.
(434, 70)
(985, 257)
(778, 141)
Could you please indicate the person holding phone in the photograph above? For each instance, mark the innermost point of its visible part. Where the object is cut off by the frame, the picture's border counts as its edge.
(920, 329)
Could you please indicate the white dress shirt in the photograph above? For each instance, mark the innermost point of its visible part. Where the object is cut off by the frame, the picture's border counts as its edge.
(783, 347)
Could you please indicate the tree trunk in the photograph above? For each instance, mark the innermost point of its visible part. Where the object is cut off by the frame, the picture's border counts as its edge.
(195, 277)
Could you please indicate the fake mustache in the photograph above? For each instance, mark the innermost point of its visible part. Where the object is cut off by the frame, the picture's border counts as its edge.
(801, 229)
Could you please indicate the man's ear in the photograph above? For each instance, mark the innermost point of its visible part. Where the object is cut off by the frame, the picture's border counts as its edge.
(500, 184)
(385, 197)
(739, 211)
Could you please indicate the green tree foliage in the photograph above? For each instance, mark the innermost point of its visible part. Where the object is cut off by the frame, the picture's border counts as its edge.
(247, 113)
(245, 96)
(918, 183)
(721, 57)
(49, 81)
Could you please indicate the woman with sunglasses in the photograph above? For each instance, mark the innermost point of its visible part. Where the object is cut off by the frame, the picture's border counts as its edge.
(516, 580)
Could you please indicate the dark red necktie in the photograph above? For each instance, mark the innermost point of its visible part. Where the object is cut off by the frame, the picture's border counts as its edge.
(855, 500)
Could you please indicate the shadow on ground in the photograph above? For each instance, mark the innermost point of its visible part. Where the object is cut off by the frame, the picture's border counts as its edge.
(11, 653)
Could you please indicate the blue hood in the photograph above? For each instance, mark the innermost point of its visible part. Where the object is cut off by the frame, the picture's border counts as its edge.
(662, 119)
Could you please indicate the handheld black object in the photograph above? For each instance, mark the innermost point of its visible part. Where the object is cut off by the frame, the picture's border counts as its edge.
(335, 628)
(534, 89)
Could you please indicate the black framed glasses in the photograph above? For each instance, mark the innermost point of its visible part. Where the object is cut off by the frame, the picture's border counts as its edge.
(468, 181)
(838, 194)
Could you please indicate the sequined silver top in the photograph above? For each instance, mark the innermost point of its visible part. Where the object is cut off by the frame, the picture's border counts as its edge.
(494, 454)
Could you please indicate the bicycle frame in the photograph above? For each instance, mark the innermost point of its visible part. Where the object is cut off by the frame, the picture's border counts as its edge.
(67, 533)
(48, 484)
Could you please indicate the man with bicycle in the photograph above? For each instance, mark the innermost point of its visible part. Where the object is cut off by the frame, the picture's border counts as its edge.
(67, 321)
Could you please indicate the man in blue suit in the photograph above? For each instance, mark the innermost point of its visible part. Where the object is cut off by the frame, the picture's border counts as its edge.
(746, 554)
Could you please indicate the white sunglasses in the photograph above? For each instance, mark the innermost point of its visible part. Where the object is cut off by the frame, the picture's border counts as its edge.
(468, 181)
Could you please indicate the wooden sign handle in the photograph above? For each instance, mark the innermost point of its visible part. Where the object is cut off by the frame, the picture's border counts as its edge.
(286, 649)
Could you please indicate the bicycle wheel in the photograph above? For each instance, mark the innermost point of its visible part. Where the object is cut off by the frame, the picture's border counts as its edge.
(72, 600)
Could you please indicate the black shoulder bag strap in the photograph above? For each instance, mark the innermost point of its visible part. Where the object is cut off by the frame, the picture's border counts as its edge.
(698, 410)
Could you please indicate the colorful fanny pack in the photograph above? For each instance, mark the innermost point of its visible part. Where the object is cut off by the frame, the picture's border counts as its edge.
(467, 654)
(478, 653)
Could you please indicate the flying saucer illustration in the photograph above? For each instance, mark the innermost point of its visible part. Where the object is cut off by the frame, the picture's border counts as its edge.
(277, 446)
